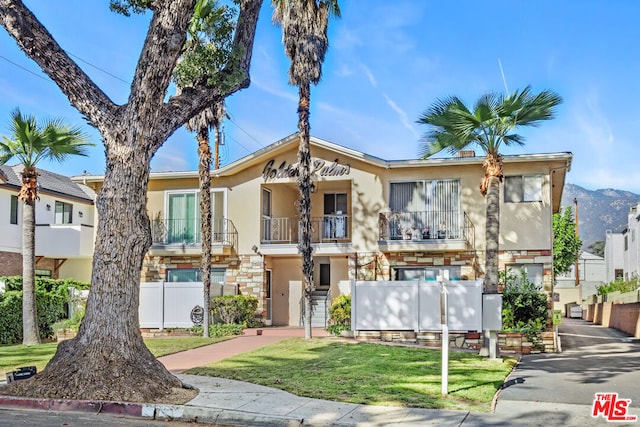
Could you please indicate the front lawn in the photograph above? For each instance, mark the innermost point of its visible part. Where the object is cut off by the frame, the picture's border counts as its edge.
(15, 356)
(365, 373)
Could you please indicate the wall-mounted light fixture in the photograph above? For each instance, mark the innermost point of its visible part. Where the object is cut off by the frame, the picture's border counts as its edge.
(254, 248)
(48, 207)
(80, 214)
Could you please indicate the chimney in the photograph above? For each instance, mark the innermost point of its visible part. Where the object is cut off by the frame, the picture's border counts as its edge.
(466, 153)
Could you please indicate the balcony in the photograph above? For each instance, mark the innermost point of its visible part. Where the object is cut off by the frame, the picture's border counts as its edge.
(429, 230)
(64, 240)
(170, 234)
(324, 229)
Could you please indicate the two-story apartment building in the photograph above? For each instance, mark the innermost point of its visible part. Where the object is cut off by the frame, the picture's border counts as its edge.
(64, 225)
(372, 219)
(631, 241)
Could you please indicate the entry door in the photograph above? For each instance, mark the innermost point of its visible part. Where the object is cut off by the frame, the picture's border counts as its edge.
(268, 298)
(266, 215)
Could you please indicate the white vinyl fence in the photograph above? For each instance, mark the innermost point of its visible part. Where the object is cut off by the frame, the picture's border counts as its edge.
(415, 305)
(169, 304)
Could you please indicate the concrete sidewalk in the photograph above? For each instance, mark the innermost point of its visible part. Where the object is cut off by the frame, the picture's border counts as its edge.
(236, 403)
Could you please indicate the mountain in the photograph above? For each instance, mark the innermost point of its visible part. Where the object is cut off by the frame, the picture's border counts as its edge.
(599, 210)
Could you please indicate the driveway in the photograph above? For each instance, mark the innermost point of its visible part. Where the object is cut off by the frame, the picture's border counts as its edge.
(594, 360)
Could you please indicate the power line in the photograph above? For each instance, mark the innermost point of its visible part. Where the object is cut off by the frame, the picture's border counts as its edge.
(247, 133)
(26, 69)
(97, 68)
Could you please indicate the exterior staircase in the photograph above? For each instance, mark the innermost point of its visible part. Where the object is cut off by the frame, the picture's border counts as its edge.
(320, 304)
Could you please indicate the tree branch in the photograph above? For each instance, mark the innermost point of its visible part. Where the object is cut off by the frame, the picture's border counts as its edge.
(233, 77)
(38, 44)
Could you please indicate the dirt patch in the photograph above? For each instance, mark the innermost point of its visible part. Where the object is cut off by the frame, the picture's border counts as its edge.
(177, 396)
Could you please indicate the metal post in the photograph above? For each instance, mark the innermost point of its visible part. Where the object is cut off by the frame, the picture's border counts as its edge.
(443, 278)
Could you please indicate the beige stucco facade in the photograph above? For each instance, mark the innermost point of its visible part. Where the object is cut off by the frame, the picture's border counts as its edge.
(356, 234)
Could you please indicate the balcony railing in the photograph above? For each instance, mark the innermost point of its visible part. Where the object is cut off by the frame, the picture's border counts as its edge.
(426, 225)
(324, 229)
(167, 232)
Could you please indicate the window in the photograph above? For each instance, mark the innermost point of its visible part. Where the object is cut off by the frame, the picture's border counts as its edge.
(430, 209)
(325, 275)
(194, 275)
(64, 213)
(524, 188)
(533, 272)
(13, 216)
(618, 273)
(335, 209)
(425, 273)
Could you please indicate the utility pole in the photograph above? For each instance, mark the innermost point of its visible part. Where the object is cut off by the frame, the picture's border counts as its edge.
(575, 202)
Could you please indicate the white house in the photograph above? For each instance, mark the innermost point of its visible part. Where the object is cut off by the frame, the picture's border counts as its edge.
(631, 235)
(591, 274)
(65, 218)
(614, 256)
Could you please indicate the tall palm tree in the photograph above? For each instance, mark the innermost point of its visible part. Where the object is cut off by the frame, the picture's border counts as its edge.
(207, 49)
(304, 34)
(29, 143)
(491, 124)
(201, 124)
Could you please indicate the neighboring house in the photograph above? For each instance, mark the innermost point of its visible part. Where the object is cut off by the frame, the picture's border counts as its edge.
(64, 225)
(591, 274)
(373, 219)
(614, 256)
(631, 241)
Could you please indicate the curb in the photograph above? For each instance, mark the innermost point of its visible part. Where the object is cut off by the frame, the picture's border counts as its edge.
(167, 412)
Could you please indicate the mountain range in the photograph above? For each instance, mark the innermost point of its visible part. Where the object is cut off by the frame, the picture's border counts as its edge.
(599, 210)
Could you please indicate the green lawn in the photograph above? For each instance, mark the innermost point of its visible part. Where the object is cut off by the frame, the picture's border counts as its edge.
(367, 373)
(14, 356)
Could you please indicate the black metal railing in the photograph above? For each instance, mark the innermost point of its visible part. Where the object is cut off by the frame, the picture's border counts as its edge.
(188, 232)
(327, 228)
(426, 225)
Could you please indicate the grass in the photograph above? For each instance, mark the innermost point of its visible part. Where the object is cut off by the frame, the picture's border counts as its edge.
(366, 373)
(15, 356)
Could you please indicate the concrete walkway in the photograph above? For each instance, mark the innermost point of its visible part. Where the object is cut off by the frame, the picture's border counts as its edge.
(531, 396)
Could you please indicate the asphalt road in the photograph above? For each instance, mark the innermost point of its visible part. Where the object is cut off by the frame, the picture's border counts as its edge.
(594, 360)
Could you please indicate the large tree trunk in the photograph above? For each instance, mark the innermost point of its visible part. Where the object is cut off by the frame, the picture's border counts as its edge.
(204, 176)
(30, 335)
(108, 359)
(304, 185)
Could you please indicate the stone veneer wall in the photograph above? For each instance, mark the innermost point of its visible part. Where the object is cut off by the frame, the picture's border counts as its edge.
(245, 271)
(379, 266)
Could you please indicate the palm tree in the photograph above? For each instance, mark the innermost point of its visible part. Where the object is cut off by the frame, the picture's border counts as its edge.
(207, 119)
(304, 34)
(206, 51)
(491, 123)
(31, 142)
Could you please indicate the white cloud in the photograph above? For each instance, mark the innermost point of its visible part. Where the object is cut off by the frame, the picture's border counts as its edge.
(369, 74)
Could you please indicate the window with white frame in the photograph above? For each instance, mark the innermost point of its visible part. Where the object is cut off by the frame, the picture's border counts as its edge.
(63, 213)
(430, 208)
(194, 275)
(523, 188)
(424, 273)
(533, 272)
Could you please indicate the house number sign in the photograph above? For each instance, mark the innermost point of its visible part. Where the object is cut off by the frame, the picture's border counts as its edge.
(290, 170)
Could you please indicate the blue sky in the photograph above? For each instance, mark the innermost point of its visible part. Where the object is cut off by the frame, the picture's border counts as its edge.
(387, 62)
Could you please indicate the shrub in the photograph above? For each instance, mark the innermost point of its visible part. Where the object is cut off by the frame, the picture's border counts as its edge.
(225, 330)
(524, 307)
(52, 295)
(340, 315)
(619, 285)
(236, 309)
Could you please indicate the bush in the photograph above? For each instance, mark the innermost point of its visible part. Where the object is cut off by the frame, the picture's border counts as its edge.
(234, 309)
(50, 309)
(219, 330)
(52, 295)
(524, 307)
(340, 315)
(619, 285)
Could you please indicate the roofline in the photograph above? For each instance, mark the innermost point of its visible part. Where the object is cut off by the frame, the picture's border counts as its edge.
(230, 169)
